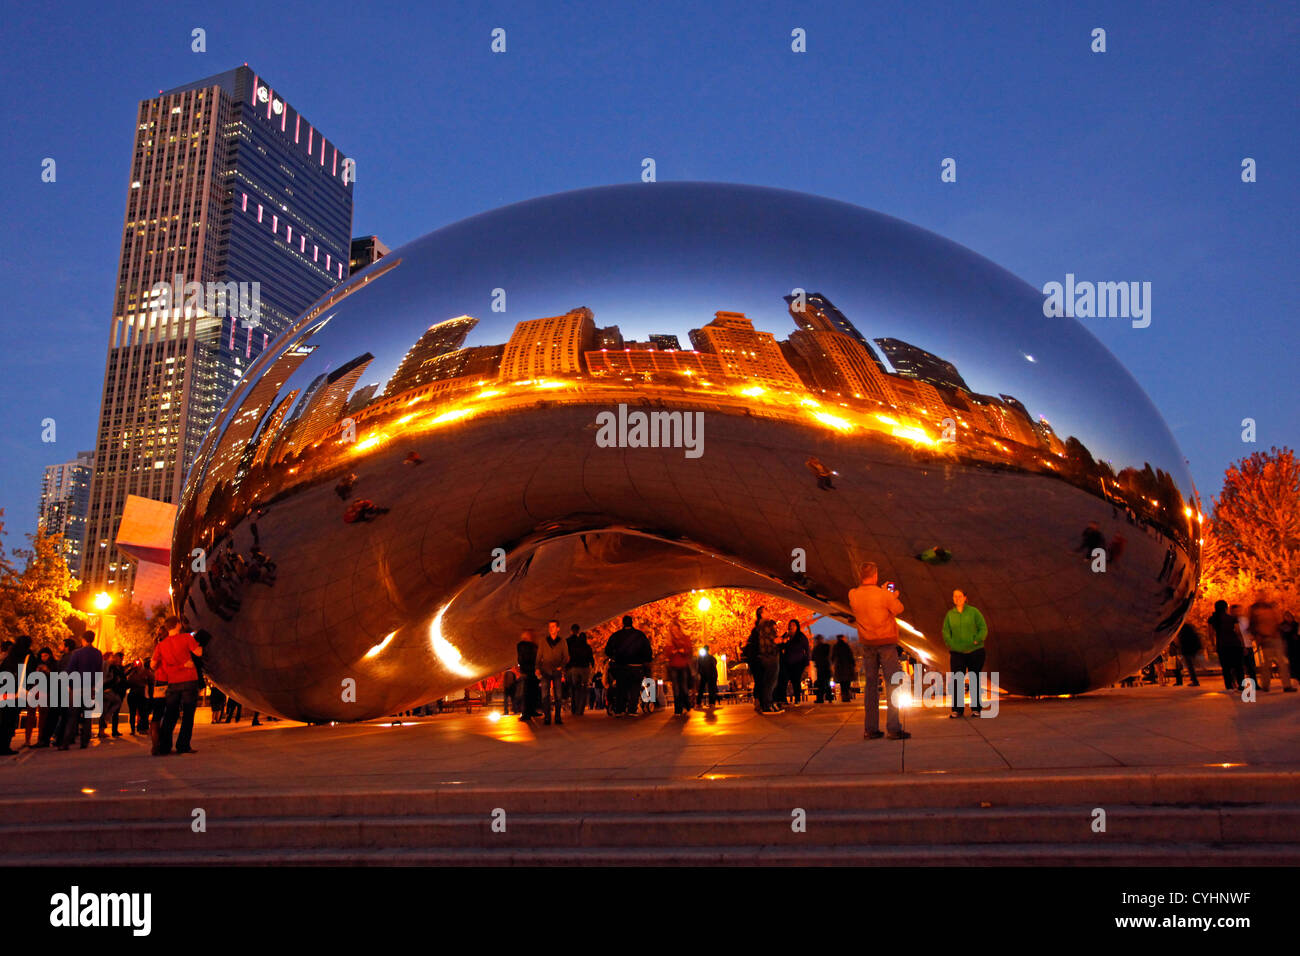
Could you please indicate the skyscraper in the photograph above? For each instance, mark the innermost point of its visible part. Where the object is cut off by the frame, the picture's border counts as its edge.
(839, 363)
(65, 499)
(439, 339)
(231, 190)
(917, 363)
(365, 250)
(549, 346)
(818, 314)
(746, 353)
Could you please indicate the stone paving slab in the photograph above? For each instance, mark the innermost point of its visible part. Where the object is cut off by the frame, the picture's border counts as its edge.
(1140, 728)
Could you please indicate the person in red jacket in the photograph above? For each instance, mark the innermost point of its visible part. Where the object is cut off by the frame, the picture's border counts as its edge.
(680, 651)
(173, 662)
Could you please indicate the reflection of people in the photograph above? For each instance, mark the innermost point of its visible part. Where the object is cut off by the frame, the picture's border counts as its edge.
(935, 555)
(964, 631)
(1092, 540)
(344, 488)
(875, 610)
(821, 471)
(363, 509)
(412, 459)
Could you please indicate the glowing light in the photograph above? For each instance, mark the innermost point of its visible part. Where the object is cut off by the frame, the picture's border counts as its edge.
(833, 421)
(886, 420)
(494, 716)
(913, 433)
(908, 627)
(87, 790)
(103, 600)
(375, 651)
(451, 416)
(447, 652)
(704, 604)
(810, 402)
(369, 442)
(404, 419)
(544, 383)
(703, 652)
(902, 697)
(488, 393)
(753, 391)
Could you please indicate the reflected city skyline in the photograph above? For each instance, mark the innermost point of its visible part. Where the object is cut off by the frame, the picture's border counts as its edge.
(825, 372)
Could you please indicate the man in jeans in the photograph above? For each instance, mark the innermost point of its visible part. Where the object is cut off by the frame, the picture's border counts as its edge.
(173, 662)
(964, 631)
(552, 658)
(581, 660)
(89, 663)
(875, 609)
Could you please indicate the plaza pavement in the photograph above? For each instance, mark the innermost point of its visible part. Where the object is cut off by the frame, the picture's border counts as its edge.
(1167, 729)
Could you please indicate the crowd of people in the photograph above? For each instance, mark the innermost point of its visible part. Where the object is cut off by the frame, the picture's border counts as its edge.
(776, 659)
(160, 693)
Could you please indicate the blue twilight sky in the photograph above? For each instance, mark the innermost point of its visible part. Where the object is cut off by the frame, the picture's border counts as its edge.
(1117, 166)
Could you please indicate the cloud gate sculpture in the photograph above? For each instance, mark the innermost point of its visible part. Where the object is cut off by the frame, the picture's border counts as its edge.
(575, 405)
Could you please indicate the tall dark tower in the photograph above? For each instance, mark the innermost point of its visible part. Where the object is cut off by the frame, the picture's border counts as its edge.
(820, 315)
(231, 192)
(914, 362)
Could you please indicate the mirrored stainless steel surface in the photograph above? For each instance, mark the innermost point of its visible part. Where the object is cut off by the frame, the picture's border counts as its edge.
(572, 406)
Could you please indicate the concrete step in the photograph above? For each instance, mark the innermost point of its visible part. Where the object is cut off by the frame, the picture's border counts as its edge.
(1273, 826)
(1162, 854)
(915, 791)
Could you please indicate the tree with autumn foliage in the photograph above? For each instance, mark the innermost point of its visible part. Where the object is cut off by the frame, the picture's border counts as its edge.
(719, 617)
(1252, 540)
(35, 601)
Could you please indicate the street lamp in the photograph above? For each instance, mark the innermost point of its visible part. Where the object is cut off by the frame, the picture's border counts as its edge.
(103, 621)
